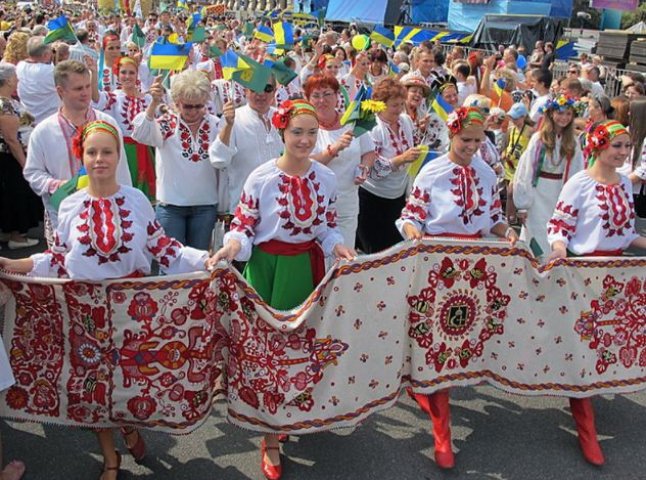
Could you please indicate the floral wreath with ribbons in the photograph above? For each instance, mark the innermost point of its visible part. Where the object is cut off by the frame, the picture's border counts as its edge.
(561, 103)
(462, 117)
(600, 136)
(87, 129)
(290, 109)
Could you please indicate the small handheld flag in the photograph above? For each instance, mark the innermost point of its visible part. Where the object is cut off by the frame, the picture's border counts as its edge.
(74, 184)
(441, 107)
(169, 56)
(422, 160)
(60, 29)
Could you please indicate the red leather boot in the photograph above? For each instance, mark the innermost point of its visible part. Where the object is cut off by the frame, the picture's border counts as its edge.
(440, 413)
(583, 414)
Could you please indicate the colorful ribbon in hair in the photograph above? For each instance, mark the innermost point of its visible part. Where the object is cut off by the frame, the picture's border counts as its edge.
(290, 109)
(88, 128)
(600, 136)
(124, 61)
(324, 59)
(462, 117)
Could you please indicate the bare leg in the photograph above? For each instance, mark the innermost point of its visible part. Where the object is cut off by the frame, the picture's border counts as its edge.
(111, 458)
(270, 451)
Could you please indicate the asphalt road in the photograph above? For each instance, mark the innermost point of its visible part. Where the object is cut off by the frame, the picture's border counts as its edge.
(496, 436)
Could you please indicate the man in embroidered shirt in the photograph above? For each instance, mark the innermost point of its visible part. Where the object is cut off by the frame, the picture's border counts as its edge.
(36, 80)
(246, 140)
(50, 161)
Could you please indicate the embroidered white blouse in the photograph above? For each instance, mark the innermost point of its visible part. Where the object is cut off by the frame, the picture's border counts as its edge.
(112, 237)
(592, 216)
(122, 108)
(449, 198)
(250, 145)
(276, 206)
(221, 92)
(185, 176)
(385, 180)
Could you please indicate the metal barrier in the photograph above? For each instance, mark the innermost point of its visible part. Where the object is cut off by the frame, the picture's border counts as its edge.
(612, 84)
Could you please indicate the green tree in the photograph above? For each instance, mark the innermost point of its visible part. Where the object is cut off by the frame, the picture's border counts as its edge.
(628, 19)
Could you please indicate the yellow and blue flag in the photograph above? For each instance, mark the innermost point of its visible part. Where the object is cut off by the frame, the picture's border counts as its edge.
(422, 160)
(441, 107)
(231, 62)
(74, 184)
(383, 36)
(183, 4)
(284, 35)
(264, 34)
(499, 87)
(412, 35)
(59, 29)
(195, 32)
(254, 77)
(169, 56)
(282, 73)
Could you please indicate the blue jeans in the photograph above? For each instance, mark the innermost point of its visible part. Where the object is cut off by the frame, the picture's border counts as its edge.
(190, 225)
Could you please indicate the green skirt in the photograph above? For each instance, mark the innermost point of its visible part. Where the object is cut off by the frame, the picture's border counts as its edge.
(283, 281)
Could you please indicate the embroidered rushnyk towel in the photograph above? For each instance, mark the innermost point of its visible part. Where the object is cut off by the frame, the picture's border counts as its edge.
(156, 352)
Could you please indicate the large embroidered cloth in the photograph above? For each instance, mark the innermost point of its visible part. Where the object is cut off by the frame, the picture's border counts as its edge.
(152, 352)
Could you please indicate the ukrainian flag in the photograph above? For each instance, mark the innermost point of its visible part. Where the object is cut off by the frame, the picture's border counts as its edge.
(353, 111)
(231, 63)
(59, 29)
(74, 184)
(284, 34)
(499, 87)
(383, 36)
(411, 34)
(264, 34)
(169, 56)
(441, 107)
(183, 4)
(420, 162)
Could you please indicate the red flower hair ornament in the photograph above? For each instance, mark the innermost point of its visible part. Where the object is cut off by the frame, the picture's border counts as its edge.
(290, 109)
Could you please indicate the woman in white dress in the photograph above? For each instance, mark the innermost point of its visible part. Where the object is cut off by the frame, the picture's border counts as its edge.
(552, 157)
(595, 217)
(107, 231)
(454, 196)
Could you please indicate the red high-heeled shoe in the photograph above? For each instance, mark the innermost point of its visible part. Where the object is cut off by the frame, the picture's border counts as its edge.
(138, 448)
(271, 472)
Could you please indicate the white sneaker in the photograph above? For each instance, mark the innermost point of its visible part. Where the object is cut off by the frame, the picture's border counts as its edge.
(29, 242)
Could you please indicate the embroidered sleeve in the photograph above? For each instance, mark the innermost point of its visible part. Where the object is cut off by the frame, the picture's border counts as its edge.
(149, 132)
(167, 125)
(495, 210)
(106, 101)
(522, 182)
(50, 263)
(243, 225)
(331, 236)
(416, 210)
(172, 256)
(562, 225)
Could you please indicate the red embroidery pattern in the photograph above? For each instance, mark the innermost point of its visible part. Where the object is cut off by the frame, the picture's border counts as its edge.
(617, 210)
(108, 80)
(246, 215)
(161, 246)
(105, 229)
(263, 370)
(398, 141)
(615, 325)
(131, 107)
(439, 326)
(564, 220)
(466, 193)
(202, 138)
(303, 206)
(37, 350)
(416, 208)
(167, 125)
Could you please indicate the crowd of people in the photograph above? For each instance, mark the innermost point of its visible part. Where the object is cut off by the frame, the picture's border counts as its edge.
(169, 156)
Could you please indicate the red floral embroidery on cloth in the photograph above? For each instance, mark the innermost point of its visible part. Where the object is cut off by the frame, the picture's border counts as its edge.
(564, 220)
(263, 370)
(167, 125)
(615, 325)
(616, 207)
(444, 312)
(398, 140)
(246, 215)
(105, 229)
(161, 246)
(190, 150)
(302, 203)
(466, 193)
(108, 78)
(416, 208)
(131, 107)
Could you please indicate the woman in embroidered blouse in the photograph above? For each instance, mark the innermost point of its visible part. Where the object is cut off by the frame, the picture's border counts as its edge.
(383, 195)
(378, 66)
(108, 80)
(358, 75)
(595, 216)
(284, 225)
(124, 104)
(437, 208)
(107, 231)
(187, 183)
(552, 157)
(348, 157)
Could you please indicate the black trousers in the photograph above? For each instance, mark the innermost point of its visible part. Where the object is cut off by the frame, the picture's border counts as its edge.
(377, 215)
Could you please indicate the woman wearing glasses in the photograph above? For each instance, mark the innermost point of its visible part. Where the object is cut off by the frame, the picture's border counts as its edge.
(187, 184)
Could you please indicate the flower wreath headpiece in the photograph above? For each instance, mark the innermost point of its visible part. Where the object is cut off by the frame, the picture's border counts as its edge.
(462, 117)
(560, 103)
(82, 134)
(290, 109)
(601, 134)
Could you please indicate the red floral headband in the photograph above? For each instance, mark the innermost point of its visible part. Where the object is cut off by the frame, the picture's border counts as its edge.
(599, 138)
(90, 127)
(462, 117)
(290, 109)
(123, 60)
